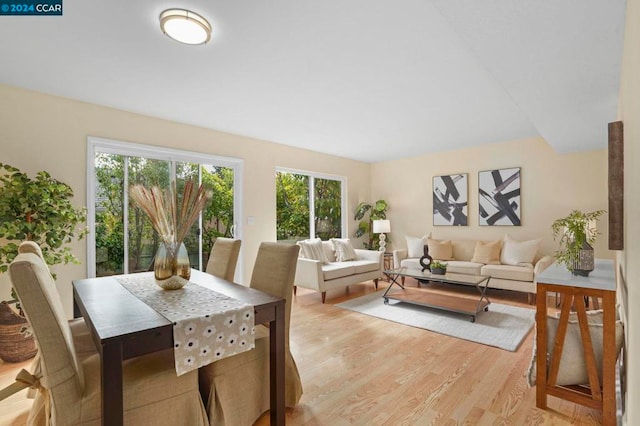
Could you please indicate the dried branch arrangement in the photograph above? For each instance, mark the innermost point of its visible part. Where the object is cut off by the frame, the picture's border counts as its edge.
(170, 220)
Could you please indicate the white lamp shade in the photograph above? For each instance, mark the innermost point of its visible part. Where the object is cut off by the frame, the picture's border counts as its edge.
(381, 226)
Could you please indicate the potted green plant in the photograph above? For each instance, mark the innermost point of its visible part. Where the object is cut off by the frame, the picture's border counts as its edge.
(365, 224)
(577, 234)
(438, 268)
(34, 209)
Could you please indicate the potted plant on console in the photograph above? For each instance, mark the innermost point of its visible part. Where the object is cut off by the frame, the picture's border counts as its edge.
(577, 233)
(438, 268)
(39, 210)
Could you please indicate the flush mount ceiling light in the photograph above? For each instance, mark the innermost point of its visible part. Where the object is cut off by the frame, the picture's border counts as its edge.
(185, 26)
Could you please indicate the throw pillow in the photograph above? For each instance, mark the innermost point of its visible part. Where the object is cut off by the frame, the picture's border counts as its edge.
(518, 253)
(415, 245)
(487, 253)
(312, 249)
(344, 249)
(440, 249)
(573, 366)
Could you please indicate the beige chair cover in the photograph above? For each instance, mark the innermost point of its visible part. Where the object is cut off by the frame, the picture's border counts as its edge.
(69, 389)
(237, 388)
(224, 257)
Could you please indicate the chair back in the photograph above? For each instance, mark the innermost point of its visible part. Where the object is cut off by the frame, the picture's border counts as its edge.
(62, 374)
(224, 258)
(274, 272)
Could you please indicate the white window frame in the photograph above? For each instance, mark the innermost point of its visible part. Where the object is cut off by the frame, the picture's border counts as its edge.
(312, 206)
(108, 146)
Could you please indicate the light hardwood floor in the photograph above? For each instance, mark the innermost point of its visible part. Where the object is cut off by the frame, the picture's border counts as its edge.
(360, 370)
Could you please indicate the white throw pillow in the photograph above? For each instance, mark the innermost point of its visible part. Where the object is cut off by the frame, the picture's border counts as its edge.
(518, 253)
(312, 249)
(415, 245)
(344, 250)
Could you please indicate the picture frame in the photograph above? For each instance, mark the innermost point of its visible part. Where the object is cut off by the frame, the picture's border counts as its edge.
(499, 201)
(450, 200)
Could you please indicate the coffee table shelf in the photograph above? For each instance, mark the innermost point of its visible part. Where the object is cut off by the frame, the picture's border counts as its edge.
(428, 298)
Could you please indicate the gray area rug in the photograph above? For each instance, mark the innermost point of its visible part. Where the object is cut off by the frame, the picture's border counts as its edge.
(503, 326)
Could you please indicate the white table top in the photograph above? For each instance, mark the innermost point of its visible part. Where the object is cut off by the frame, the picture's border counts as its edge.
(603, 277)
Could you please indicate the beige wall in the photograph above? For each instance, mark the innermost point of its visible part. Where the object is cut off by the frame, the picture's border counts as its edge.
(629, 281)
(551, 186)
(41, 132)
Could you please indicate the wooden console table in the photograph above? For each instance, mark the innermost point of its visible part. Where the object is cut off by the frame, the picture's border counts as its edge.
(573, 290)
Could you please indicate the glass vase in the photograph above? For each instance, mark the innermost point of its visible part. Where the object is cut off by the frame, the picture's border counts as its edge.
(171, 268)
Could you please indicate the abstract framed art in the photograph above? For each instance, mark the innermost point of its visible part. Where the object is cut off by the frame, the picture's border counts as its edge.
(499, 197)
(450, 200)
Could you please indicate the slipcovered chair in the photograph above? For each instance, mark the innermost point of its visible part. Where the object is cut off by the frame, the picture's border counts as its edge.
(69, 384)
(236, 389)
(224, 257)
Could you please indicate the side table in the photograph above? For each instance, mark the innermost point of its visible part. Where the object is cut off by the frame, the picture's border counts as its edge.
(388, 264)
(573, 290)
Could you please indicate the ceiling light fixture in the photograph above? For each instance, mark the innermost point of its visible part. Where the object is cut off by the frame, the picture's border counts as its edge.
(185, 26)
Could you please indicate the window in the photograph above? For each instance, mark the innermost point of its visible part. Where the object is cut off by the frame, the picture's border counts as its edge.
(294, 204)
(124, 241)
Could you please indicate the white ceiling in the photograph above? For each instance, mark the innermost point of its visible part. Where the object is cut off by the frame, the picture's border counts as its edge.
(364, 79)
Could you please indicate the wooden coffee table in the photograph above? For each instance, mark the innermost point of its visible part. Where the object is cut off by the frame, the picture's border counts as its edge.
(446, 302)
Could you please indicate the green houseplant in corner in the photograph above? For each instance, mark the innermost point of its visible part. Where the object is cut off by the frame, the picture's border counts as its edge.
(577, 233)
(33, 209)
(365, 224)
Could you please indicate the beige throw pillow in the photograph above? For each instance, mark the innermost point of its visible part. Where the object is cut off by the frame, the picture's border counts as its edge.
(573, 366)
(440, 249)
(487, 253)
(415, 245)
(312, 249)
(344, 250)
(518, 253)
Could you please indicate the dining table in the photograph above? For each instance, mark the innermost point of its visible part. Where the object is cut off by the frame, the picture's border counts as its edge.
(123, 327)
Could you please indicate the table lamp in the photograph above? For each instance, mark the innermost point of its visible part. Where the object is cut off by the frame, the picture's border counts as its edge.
(380, 227)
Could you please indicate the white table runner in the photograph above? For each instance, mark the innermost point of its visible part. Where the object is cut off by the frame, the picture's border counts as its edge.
(207, 325)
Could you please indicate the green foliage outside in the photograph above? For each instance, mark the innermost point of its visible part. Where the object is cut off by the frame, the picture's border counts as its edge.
(366, 213)
(293, 212)
(143, 240)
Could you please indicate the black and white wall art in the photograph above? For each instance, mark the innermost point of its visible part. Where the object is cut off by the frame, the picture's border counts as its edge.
(499, 197)
(450, 200)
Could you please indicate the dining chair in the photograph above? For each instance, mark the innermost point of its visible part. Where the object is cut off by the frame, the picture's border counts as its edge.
(69, 385)
(224, 258)
(236, 389)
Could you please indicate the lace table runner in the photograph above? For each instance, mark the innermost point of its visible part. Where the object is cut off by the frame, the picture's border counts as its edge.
(207, 325)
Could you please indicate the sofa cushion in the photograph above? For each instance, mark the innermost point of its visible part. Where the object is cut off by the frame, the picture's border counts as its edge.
(440, 249)
(518, 252)
(334, 270)
(487, 252)
(328, 251)
(313, 249)
(413, 263)
(463, 267)
(415, 245)
(508, 272)
(362, 266)
(344, 250)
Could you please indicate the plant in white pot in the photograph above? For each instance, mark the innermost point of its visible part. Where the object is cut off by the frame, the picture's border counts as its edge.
(577, 233)
(33, 209)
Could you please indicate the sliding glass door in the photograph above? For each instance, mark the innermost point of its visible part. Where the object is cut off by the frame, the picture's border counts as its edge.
(124, 240)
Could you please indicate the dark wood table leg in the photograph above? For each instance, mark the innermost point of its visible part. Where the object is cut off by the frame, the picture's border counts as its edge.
(609, 358)
(276, 367)
(111, 374)
(541, 347)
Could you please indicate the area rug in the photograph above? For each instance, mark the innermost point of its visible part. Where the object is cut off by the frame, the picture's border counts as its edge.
(503, 326)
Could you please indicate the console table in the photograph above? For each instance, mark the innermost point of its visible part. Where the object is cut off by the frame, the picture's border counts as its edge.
(573, 290)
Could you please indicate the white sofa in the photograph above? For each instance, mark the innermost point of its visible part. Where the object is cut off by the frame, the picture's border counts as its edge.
(507, 277)
(321, 277)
